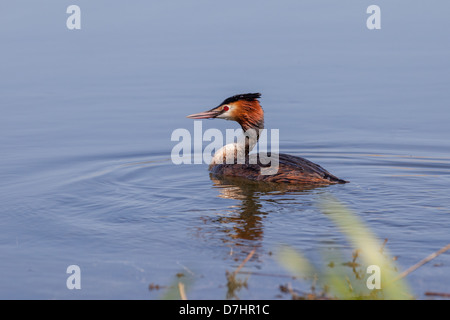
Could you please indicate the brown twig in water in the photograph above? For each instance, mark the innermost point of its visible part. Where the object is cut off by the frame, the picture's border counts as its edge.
(245, 261)
(234, 284)
(438, 294)
(383, 245)
(422, 262)
(182, 292)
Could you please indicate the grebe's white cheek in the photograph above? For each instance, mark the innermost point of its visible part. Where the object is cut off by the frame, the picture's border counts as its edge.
(226, 115)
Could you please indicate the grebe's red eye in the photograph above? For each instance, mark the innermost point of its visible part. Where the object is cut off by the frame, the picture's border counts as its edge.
(226, 108)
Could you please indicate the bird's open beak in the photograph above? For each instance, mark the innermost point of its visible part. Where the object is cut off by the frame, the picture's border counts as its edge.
(205, 115)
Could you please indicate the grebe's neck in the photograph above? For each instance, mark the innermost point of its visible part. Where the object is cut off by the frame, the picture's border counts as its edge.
(251, 136)
(238, 152)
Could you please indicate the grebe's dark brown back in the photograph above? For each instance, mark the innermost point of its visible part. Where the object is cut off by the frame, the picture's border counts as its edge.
(246, 110)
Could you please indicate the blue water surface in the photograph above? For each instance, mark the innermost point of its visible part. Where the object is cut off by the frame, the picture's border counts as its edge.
(85, 139)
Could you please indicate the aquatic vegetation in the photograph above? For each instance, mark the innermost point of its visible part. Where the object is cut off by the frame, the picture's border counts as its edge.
(234, 284)
(181, 282)
(370, 274)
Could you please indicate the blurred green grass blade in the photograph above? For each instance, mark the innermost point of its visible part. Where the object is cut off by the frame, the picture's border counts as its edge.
(361, 237)
(295, 263)
(350, 280)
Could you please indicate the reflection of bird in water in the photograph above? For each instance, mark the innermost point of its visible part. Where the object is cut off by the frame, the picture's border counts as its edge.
(247, 222)
(246, 110)
(256, 188)
(245, 227)
(241, 227)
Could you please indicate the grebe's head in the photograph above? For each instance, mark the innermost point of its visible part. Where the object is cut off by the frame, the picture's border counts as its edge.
(243, 108)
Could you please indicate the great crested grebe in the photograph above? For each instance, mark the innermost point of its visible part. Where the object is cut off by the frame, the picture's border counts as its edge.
(246, 110)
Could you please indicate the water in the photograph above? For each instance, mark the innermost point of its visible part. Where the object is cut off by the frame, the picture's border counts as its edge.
(87, 115)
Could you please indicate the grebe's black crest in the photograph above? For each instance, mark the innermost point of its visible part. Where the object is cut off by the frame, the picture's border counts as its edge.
(243, 96)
